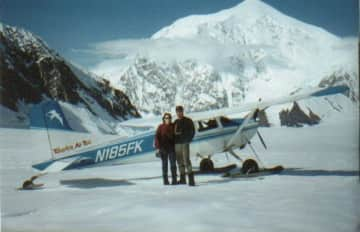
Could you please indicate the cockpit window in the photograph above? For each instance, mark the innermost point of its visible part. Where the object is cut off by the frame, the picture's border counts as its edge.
(227, 122)
(204, 125)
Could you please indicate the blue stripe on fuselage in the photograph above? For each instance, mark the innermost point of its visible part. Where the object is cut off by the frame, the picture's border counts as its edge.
(136, 146)
(131, 147)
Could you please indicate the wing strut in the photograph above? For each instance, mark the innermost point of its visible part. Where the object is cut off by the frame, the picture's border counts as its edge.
(239, 130)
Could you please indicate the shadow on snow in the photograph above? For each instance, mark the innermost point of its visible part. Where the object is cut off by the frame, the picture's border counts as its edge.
(101, 182)
(306, 172)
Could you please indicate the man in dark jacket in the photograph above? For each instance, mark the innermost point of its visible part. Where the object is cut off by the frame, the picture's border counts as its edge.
(184, 133)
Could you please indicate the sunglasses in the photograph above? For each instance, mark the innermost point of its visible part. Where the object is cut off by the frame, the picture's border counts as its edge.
(167, 118)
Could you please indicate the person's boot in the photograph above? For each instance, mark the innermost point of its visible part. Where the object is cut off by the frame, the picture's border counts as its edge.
(173, 176)
(182, 179)
(166, 180)
(191, 179)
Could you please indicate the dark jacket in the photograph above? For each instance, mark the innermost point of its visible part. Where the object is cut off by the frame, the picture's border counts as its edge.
(164, 137)
(184, 130)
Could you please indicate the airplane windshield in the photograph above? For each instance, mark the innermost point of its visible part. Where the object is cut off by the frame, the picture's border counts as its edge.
(227, 122)
(204, 125)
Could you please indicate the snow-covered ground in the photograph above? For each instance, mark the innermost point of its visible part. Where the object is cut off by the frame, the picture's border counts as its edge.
(319, 191)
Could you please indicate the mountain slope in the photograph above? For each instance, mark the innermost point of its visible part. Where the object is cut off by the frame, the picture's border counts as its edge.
(32, 72)
(157, 87)
(255, 50)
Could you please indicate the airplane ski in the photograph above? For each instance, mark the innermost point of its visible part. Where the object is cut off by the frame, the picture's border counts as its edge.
(236, 173)
(224, 169)
(30, 185)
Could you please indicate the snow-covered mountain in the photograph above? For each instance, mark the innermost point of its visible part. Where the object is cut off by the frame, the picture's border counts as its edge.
(32, 72)
(156, 87)
(237, 55)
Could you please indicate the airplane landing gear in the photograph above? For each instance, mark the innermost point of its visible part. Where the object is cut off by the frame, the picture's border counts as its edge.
(249, 166)
(206, 165)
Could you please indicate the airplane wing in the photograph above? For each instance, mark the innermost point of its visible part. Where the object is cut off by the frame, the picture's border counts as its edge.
(142, 123)
(318, 92)
(153, 122)
(314, 92)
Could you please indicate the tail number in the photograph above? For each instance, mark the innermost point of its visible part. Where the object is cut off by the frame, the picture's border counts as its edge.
(117, 151)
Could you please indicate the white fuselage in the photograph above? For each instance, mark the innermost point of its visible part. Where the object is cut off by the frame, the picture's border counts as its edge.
(209, 141)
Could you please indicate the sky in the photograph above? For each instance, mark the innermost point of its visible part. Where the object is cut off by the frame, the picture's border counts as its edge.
(68, 25)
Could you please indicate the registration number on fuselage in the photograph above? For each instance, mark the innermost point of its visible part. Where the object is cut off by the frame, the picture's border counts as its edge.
(119, 150)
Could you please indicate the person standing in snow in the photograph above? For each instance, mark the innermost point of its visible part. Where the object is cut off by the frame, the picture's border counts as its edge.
(165, 145)
(184, 133)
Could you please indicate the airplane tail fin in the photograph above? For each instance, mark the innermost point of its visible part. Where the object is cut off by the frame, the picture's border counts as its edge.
(48, 115)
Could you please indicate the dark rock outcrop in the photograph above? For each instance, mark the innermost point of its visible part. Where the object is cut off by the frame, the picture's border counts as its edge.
(296, 117)
(31, 72)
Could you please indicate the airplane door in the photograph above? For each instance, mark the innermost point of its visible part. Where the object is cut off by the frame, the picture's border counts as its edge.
(208, 137)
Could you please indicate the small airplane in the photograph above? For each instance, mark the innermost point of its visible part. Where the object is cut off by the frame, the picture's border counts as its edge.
(215, 134)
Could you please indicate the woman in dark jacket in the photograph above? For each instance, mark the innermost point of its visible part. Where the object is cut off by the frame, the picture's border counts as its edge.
(165, 145)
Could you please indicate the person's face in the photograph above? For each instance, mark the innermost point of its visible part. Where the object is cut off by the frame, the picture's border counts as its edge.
(180, 113)
(167, 119)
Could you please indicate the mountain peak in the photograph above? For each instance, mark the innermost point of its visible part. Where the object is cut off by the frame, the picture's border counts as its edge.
(25, 40)
(252, 19)
(33, 72)
(245, 12)
(253, 6)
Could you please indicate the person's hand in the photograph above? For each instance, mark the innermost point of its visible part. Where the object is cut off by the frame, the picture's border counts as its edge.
(157, 153)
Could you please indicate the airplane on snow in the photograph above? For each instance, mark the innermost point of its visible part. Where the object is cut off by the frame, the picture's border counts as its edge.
(215, 134)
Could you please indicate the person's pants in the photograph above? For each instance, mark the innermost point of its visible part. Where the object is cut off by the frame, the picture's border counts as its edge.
(167, 156)
(183, 157)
